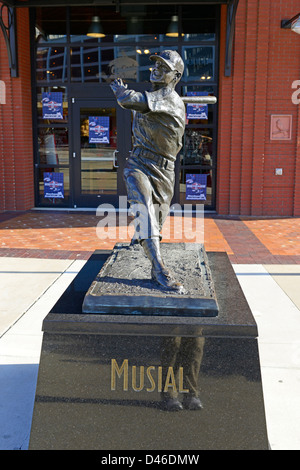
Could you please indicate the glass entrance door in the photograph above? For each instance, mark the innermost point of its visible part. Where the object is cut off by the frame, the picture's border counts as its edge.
(101, 145)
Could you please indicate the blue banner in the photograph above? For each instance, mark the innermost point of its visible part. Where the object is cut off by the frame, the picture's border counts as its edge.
(54, 185)
(196, 187)
(52, 105)
(99, 129)
(195, 110)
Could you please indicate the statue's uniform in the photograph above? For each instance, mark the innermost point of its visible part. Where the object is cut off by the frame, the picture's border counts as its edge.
(158, 128)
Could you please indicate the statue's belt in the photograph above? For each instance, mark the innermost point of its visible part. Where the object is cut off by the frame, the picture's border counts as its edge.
(160, 161)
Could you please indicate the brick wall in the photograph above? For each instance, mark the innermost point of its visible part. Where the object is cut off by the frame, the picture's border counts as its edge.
(16, 148)
(266, 62)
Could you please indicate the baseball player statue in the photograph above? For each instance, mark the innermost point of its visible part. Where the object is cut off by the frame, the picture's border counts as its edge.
(158, 128)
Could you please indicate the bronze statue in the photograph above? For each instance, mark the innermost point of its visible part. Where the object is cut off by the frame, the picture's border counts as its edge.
(158, 128)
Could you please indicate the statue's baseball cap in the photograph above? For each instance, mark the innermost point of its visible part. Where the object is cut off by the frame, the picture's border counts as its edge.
(171, 58)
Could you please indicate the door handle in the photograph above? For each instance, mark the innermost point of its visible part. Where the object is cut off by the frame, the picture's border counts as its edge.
(114, 159)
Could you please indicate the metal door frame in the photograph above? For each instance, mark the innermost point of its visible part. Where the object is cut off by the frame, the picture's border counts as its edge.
(123, 148)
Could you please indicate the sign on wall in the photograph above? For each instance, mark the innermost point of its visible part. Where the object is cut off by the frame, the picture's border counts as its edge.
(196, 187)
(99, 129)
(52, 105)
(281, 127)
(54, 185)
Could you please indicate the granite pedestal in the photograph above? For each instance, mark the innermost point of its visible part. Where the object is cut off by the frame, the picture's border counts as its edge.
(103, 376)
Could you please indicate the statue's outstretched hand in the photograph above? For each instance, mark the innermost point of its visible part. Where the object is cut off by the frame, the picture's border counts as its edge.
(118, 85)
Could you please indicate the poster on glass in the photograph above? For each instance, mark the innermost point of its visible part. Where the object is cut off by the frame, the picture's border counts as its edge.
(196, 186)
(52, 104)
(99, 129)
(53, 185)
(196, 110)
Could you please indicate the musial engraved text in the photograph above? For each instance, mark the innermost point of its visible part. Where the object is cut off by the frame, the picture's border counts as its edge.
(150, 378)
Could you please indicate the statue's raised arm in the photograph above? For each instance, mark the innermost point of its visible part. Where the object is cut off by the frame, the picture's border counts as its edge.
(129, 99)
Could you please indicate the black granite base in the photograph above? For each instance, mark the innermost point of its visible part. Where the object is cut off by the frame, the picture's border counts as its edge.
(102, 378)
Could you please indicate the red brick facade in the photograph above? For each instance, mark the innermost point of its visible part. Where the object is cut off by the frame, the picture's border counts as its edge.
(16, 142)
(266, 63)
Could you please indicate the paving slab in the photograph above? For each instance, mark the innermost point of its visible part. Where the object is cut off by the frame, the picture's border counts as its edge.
(278, 321)
(20, 348)
(23, 281)
(281, 390)
(288, 278)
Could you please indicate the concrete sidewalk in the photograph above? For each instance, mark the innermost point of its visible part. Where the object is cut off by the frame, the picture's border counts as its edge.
(31, 289)
(41, 283)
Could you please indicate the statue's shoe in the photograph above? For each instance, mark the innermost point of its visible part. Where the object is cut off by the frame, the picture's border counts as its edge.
(166, 281)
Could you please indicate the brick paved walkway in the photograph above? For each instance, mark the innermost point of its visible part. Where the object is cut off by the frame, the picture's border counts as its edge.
(73, 235)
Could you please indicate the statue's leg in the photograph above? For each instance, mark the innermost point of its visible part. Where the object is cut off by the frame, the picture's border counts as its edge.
(148, 191)
(162, 184)
(139, 191)
(160, 274)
